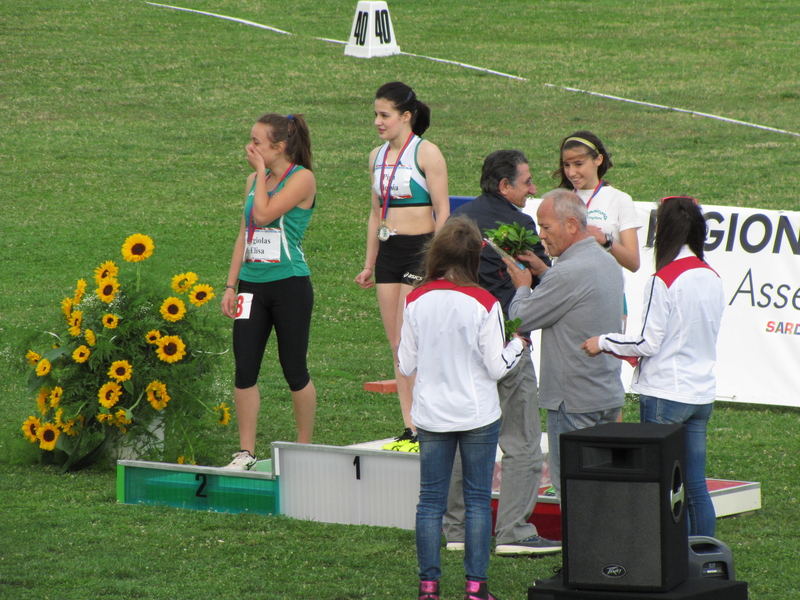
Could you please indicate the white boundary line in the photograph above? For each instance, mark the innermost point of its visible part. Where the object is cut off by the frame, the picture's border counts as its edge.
(243, 21)
(466, 66)
(500, 74)
(682, 110)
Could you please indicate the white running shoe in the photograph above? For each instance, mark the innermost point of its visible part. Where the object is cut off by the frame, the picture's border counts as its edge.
(242, 461)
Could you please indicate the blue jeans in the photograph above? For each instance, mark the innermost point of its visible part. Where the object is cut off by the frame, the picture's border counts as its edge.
(437, 450)
(699, 507)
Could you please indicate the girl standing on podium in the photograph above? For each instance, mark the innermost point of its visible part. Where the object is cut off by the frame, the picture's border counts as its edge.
(268, 264)
(683, 304)
(409, 203)
(453, 339)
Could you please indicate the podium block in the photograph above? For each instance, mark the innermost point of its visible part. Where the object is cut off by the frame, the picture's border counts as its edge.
(372, 33)
(197, 488)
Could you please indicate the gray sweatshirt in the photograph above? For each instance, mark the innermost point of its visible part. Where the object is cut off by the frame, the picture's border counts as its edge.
(579, 297)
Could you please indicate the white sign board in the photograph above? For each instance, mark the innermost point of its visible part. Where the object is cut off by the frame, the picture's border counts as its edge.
(757, 255)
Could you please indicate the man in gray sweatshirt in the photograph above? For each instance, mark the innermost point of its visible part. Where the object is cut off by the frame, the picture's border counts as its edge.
(579, 297)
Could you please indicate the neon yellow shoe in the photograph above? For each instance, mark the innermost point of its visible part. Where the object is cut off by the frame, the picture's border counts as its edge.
(411, 445)
(399, 444)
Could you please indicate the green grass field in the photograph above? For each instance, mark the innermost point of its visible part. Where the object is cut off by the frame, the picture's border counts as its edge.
(119, 117)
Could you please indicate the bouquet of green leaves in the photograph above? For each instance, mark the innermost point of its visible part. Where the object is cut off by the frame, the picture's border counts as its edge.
(512, 326)
(513, 239)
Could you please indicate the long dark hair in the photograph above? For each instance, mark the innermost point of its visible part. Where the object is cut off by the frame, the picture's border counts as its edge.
(578, 140)
(293, 130)
(404, 100)
(679, 222)
(455, 252)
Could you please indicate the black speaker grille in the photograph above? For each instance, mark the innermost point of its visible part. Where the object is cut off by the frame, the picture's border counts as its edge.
(613, 536)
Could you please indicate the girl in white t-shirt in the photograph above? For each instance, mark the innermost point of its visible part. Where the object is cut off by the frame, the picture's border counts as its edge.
(612, 216)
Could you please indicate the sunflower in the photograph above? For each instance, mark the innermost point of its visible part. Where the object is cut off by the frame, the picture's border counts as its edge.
(69, 428)
(42, 367)
(66, 307)
(121, 417)
(32, 358)
(30, 427)
(48, 435)
(137, 248)
(173, 309)
(110, 321)
(121, 370)
(182, 460)
(201, 294)
(81, 354)
(79, 292)
(106, 270)
(109, 394)
(55, 396)
(59, 416)
(42, 398)
(153, 336)
(103, 417)
(157, 395)
(75, 320)
(225, 413)
(91, 339)
(181, 283)
(107, 289)
(170, 348)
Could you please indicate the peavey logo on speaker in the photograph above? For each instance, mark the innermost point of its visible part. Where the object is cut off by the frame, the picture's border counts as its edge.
(614, 571)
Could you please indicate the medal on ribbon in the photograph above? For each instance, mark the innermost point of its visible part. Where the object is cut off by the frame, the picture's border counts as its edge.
(383, 231)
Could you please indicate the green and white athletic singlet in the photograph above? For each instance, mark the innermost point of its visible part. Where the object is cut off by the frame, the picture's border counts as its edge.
(275, 251)
(409, 187)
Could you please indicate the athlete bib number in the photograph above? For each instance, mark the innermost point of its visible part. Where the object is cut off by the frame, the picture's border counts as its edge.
(401, 184)
(244, 303)
(265, 246)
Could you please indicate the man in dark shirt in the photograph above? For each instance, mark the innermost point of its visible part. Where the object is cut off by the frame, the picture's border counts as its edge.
(506, 184)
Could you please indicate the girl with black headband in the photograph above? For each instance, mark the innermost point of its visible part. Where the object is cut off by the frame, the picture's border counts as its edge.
(409, 203)
(612, 218)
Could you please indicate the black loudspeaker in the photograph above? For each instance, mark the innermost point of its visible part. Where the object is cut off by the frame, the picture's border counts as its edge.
(708, 557)
(622, 507)
(691, 589)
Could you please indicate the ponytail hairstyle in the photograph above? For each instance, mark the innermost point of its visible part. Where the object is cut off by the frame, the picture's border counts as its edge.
(404, 99)
(455, 253)
(587, 142)
(292, 130)
(679, 222)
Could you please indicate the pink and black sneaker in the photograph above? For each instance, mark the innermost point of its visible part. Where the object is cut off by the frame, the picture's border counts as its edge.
(477, 590)
(428, 590)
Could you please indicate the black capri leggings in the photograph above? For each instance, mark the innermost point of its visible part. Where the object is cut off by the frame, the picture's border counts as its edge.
(285, 305)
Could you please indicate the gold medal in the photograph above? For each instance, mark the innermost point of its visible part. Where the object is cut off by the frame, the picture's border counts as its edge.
(383, 233)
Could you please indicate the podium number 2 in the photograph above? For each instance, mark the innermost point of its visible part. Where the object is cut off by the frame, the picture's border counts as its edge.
(201, 477)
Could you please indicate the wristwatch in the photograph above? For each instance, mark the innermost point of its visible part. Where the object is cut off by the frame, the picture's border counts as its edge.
(609, 242)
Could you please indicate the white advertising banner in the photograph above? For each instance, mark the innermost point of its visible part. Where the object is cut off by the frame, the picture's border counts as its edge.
(757, 255)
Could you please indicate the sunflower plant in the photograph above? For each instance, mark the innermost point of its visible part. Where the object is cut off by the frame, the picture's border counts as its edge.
(128, 357)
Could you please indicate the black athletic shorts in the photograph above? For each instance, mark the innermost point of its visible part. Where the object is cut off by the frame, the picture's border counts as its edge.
(400, 259)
